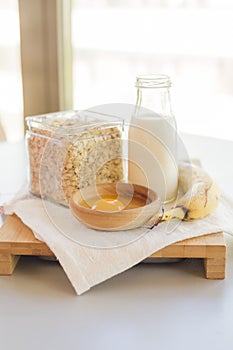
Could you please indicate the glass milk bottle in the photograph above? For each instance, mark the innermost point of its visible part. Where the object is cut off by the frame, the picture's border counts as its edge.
(152, 138)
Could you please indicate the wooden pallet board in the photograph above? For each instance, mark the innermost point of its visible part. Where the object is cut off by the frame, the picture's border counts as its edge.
(16, 239)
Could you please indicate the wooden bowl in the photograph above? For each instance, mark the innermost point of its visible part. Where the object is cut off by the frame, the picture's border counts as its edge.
(140, 204)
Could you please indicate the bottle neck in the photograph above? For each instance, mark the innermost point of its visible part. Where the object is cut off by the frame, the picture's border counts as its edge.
(153, 94)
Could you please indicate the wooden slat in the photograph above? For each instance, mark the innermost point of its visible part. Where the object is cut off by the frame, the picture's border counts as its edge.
(8, 263)
(215, 268)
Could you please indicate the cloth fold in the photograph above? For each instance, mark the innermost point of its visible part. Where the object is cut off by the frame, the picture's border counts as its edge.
(89, 257)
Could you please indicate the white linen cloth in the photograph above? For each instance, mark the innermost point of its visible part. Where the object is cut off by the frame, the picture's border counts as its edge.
(89, 257)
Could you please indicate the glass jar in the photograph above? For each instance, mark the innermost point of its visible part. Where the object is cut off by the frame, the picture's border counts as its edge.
(152, 150)
(71, 150)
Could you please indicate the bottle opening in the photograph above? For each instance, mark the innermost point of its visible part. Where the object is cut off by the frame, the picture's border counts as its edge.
(153, 81)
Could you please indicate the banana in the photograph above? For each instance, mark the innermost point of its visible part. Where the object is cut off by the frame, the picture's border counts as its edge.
(201, 195)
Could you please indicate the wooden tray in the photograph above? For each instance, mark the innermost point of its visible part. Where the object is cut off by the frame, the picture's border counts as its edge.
(16, 239)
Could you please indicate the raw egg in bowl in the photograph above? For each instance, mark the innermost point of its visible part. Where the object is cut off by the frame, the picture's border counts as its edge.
(114, 206)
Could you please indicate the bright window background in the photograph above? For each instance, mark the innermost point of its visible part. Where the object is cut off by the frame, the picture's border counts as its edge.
(190, 40)
(11, 101)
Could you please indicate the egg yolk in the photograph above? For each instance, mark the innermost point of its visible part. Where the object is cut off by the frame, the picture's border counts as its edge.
(108, 204)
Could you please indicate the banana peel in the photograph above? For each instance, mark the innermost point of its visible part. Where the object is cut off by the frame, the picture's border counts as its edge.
(201, 195)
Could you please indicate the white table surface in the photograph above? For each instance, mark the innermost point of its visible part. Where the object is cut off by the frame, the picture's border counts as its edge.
(160, 306)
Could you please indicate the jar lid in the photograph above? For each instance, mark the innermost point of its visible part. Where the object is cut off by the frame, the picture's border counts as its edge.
(71, 122)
